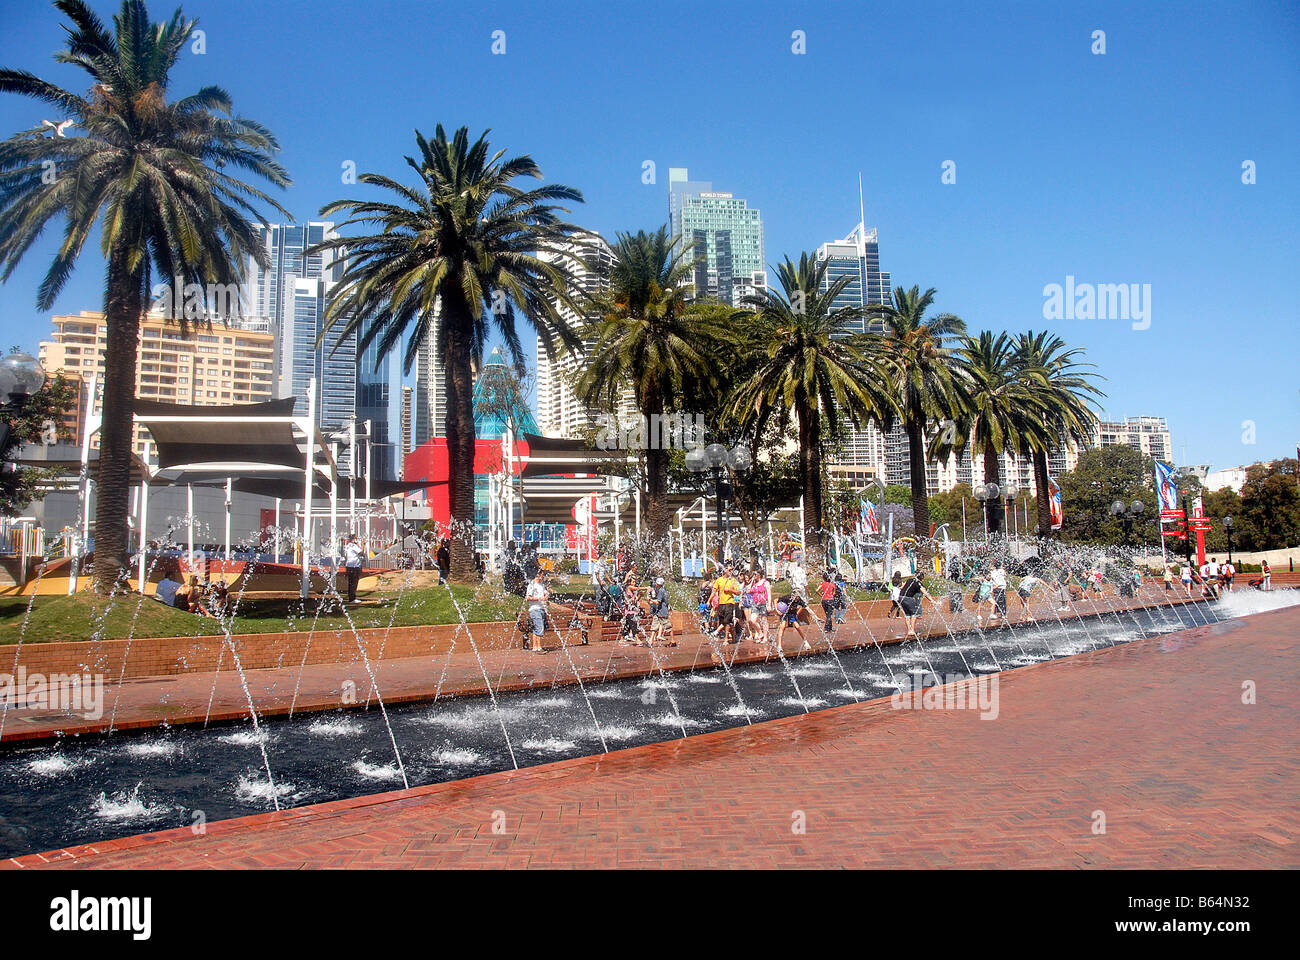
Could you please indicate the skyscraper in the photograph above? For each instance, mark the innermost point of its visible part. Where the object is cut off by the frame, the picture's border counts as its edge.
(727, 236)
(430, 388)
(559, 411)
(293, 292)
(857, 257)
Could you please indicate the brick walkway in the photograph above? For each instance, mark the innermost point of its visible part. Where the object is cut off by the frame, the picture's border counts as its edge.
(1153, 734)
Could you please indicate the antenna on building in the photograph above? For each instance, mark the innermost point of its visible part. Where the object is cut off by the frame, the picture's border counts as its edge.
(862, 209)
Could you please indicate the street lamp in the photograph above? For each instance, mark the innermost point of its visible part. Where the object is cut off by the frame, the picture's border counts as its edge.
(714, 458)
(21, 375)
(1126, 514)
(986, 494)
(1228, 526)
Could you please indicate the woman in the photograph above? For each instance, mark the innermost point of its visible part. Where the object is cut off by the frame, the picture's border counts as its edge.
(760, 591)
(1267, 573)
(827, 592)
(1169, 577)
(895, 608)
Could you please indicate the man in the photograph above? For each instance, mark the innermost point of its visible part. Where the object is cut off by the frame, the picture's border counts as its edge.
(600, 585)
(537, 597)
(352, 557)
(1025, 591)
(909, 595)
(998, 579)
(728, 588)
(1226, 575)
(443, 557)
(662, 627)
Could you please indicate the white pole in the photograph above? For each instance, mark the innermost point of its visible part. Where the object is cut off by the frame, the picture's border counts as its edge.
(804, 543)
(613, 502)
(189, 527)
(144, 527)
(636, 493)
(352, 478)
(334, 510)
(704, 532)
(369, 458)
(889, 548)
(275, 534)
(308, 471)
(83, 488)
(228, 484)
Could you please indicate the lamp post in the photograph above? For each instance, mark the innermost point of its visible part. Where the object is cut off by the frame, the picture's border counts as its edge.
(714, 459)
(1127, 513)
(1228, 525)
(986, 494)
(21, 375)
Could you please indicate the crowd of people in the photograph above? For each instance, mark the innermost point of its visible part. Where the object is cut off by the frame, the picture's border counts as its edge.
(740, 602)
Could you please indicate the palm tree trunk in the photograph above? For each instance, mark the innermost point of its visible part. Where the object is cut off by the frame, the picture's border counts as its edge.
(1044, 495)
(920, 493)
(993, 509)
(122, 308)
(810, 469)
(658, 515)
(460, 436)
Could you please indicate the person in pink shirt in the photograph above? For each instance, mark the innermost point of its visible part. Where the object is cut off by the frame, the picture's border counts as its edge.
(758, 595)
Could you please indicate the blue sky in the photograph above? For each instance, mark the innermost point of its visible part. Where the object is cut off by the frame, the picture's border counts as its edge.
(1117, 168)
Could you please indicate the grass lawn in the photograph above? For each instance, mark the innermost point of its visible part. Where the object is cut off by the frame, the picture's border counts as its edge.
(80, 617)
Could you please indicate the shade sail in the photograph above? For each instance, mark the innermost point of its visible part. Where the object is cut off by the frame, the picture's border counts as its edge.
(241, 436)
(562, 456)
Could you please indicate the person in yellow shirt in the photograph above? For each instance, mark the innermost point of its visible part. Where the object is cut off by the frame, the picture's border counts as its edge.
(728, 589)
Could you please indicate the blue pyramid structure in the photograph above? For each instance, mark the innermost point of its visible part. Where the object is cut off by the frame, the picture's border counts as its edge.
(492, 414)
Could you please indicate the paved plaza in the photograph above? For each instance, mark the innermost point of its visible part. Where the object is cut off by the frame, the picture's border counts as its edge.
(1153, 736)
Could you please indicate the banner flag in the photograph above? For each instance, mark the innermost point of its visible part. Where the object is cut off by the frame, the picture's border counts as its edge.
(869, 521)
(1054, 493)
(1166, 489)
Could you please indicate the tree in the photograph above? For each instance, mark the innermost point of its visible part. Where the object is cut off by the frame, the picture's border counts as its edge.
(645, 340)
(1099, 479)
(1063, 391)
(468, 248)
(1270, 505)
(40, 415)
(921, 381)
(810, 369)
(156, 172)
(1000, 414)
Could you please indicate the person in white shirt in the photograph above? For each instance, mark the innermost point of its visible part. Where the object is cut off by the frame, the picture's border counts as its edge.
(1025, 591)
(998, 578)
(353, 556)
(537, 596)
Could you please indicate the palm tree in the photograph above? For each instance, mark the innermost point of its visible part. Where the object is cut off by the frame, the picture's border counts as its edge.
(468, 248)
(645, 340)
(922, 382)
(1002, 412)
(156, 172)
(810, 367)
(1063, 390)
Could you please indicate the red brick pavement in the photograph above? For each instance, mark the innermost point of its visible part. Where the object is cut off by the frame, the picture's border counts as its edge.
(1153, 734)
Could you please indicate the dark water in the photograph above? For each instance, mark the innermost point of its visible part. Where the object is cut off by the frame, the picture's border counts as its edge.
(85, 789)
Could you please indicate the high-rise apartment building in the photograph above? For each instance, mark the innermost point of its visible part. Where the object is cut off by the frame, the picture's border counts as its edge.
(559, 411)
(430, 388)
(208, 366)
(727, 236)
(1149, 435)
